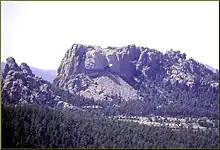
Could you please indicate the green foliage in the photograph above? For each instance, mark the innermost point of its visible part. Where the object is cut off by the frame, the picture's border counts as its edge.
(33, 126)
(178, 99)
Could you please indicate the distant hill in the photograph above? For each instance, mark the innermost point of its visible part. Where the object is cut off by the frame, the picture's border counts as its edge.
(45, 74)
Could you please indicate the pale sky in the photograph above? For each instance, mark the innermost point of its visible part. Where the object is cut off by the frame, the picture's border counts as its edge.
(39, 33)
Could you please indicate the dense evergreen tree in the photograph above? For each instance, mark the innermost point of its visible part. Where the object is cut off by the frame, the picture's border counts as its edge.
(41, 127)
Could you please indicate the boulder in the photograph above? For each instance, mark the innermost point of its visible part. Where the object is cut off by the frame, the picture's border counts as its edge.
(10, 65)
(26, 69)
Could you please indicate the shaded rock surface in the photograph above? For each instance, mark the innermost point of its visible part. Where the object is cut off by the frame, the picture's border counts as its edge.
(129, 80)
(20, 85)
(84, 65)
(103, 87)
(10, 65)
(45, 74)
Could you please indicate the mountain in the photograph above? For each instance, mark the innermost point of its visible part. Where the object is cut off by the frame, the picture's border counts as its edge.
(129, 80)
(45, 74)
(159, 83)
(128, 63)
(109, 97)
(20, 86)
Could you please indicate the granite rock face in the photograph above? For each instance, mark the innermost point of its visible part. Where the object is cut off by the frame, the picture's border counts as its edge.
(10, 65)
(83, 66)
(26, 69)
(102, 73)
(130, 77)
(90, 59)
(20, 85)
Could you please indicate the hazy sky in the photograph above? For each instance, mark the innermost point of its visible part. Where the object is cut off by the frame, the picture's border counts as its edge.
(39, 33)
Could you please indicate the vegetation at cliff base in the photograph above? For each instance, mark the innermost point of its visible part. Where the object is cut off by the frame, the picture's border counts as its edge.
(34, 126)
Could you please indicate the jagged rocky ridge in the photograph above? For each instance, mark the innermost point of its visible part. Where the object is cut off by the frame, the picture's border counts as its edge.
(97, 72)
(20, 85)
(45, 74)
(169, 90)
(140, 81)
(129, 80)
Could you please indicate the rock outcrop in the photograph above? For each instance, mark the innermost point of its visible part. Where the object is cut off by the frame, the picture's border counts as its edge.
(84, 65)
(10, 65)
(26, 69)
(20, 85)
(45, 74)
(132, 80)
(92, 62)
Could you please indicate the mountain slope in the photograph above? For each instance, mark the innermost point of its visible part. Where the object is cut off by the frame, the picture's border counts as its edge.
(64, 129)
(20, 86)
(167, 83)
(98, 94)
(129, 80)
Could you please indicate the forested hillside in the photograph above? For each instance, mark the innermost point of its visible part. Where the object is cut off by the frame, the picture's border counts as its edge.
(32, 126)
(128, 97)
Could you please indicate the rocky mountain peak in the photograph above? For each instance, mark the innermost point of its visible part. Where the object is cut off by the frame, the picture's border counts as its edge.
(140, 79)
(82, 59)
(10, 60)
(10, 65)
(125, 64)
(20, 86)
(94, 61)
(26, 69)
